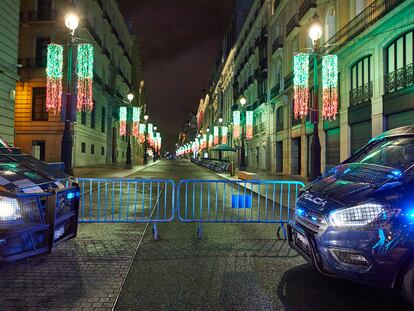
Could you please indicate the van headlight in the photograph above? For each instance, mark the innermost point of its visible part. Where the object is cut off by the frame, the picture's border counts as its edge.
(9, 210)
(356, 216)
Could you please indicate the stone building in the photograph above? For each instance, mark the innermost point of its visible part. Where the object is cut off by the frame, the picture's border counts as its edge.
(117, 71)
(9, 34)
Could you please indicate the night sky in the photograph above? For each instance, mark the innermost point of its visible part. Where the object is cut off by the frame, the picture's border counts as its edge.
(179, 41)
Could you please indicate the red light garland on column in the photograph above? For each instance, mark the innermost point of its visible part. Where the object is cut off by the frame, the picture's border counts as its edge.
(122, 120)
(136, 112)
(329, 86)
(301, 84)
(249, 125)
(54, 73)
(85, 77)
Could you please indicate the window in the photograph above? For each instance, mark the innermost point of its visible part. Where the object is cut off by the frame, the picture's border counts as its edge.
(44, 9)
(103, 120)
(83, 117)
(93, 115)
(102, 150)
(92, 149)
(330, 23)
(83, 147)
(361, 84)
(39, 112)
(41, 52)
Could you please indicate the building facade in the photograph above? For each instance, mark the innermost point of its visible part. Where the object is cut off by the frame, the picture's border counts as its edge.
(373, 40)
(117, 71)
(9, 34)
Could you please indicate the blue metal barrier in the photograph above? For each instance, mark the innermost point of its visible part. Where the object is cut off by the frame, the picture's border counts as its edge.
(113, 200)
(224, 201)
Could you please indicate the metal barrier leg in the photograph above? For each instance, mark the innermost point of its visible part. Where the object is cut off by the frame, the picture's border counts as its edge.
(200, 230)
(282, 227)
(155, 231)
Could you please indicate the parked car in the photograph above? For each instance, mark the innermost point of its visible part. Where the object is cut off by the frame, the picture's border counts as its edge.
(357, 221)
(38, 205)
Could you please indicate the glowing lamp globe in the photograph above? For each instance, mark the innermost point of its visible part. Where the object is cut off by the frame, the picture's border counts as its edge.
(130, 97)
(220, 120)
(146, 117)
(315, 30)
(72, 22)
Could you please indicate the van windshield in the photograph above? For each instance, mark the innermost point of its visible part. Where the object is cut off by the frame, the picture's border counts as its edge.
(397, 152)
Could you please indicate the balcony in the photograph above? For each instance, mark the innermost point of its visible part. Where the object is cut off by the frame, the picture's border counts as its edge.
(33, 62)
(38, 16)
(100, 3)
(97, 79)
(277, 44)
(360, 94)
(92, 31)
(276, 4)
(106, 52)
(108, 89)
(399, 79)
(275, 91)
(279, 126)
(292, 24)
(305, 8)
(288, 80)
(374, 12)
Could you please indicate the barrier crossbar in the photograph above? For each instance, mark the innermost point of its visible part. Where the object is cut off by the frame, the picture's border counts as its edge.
(225, 201)
(123, 200)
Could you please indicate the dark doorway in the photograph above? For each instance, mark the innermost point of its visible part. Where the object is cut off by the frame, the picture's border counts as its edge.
(279, 157)
(296, 156)
(42, 148)
(44, 10)
(114, 153)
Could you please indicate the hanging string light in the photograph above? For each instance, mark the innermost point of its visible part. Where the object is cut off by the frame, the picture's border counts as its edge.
(329, 86)
(249, 125)
(141, 133)
(236, 124)
(85, 77)
(136, 113)
(216, 135)
(150, 134)
(301, 84)
(54, 73)
(210, 140)
(224, 133)
(122, 120)
(204, 141)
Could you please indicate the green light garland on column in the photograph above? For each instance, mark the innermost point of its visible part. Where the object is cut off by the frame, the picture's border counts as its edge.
(122, 120)
(224, 133)
(329, 86)
(236, 124)
(54, 74)
(85, 77)
(136, 114)
(216, 135)
(249, 125)
(301, 84)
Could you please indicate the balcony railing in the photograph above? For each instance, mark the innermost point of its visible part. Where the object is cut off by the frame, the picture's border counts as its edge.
(293, 22)
(37, 16)
(305, 7)
(360, 94)
(275, 90)
(288, 80)
(33, 62)
(92, 31)
(399, 79)
(279, 126)
(375, 11)
(277, 44)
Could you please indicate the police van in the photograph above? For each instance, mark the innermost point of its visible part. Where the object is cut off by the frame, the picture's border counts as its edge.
(357, 221)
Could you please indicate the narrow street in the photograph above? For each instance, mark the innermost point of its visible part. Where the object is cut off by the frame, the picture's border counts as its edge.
(234, 267)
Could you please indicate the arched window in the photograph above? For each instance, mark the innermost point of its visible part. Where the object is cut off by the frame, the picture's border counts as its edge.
(278, 71)
(361, 83)
(330, 23)
(399, 62)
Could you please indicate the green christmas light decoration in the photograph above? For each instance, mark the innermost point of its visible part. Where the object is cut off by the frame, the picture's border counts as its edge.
(54, 74)
(150, 134)
(329, 86)
(122, 120)
(136, 114)
(142, 133)
(210, 140)
(236, 124)
(216, 135)
(249, 125)
(224, 133)
(85, 77)
(301, 84)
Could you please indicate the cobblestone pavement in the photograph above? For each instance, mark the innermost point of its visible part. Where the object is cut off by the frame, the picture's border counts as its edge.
(85, 273)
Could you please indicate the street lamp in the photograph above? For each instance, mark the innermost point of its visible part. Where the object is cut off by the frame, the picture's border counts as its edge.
(71, 22)
(315, 33)
(128, 163)
(145, 141)
(242, 166)
(154, 158)
(220, 120)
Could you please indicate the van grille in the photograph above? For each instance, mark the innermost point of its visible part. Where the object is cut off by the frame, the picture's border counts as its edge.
(311, 220)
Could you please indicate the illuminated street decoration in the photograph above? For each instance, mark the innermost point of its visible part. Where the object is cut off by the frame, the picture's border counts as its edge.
(301, 84)
(85, 77)
(224, 133)
(249, 125)
(216, 135)
(236, 124)
(150, 134)
(136, 113)
(141, 138)
(329, 86)
(210, 140)
(122, 120)
(54, 73)
(204, 141)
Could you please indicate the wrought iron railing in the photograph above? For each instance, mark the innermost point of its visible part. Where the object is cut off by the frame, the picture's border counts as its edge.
(279, 126)
(37, 16)
(275, 90)
(305, 7)
(277, 44)
(361, 94)
(376, 10)
(399, 79)
(293, 22)
(33, 62)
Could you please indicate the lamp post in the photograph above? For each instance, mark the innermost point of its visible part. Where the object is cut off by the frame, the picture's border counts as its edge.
(154, 158)
(71, 22)
(242, 166)
(208, 139)
(145, 141)
(220, 120)
(128, 163)
(315, 33)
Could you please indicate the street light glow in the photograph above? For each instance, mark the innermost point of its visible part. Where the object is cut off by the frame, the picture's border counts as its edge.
(220, 120)
(146, 117)
(243, 101)
(315, 30)
(155, 128)
(130, 97)
(72, 22)
(208, 130)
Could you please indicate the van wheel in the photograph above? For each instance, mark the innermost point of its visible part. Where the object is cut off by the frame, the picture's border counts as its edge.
(407, 288)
